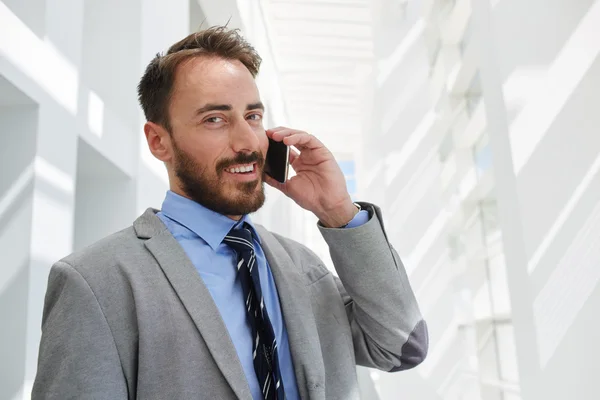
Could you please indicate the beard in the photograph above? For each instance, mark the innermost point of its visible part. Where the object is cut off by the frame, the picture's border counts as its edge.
(209, 189)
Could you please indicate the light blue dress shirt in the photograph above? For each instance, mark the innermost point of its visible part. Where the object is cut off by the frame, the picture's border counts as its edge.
(200, 232)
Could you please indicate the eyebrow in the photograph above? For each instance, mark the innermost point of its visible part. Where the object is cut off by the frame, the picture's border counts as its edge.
(227, 107)
(255, 106)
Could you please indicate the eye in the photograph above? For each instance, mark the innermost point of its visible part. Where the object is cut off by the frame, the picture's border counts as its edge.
(213, 120)
(255, 117)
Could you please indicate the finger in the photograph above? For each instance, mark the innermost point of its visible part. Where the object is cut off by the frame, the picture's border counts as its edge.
(303, 141)
(275, 135)
(271, 132)
(294, 154)
(277, 129)
(280, 134)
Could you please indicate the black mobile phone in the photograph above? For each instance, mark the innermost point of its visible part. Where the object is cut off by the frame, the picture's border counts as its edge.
(277, 160)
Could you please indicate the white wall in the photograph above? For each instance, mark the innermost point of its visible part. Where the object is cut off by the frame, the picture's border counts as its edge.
(550, 67)
(545, 65)
(104, 198)
(538, 77)
(399, 170)
(18, 124)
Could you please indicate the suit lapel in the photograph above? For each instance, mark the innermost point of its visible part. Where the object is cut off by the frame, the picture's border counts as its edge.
(299, 320)
(196, 298)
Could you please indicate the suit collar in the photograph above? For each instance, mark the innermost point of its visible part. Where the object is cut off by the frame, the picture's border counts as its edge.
(195, 297)
(148, 224)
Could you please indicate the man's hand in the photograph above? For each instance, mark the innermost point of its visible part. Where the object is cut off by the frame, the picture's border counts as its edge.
(319, 185)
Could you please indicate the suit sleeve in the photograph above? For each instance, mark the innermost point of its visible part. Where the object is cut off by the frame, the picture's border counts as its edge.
(78, 356)
(388, 330)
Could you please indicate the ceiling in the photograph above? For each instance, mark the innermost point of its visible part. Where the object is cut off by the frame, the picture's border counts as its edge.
(323, 52)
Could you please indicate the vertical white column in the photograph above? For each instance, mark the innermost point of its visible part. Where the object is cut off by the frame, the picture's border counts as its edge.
(53, 213)
(506, 193)
(19, 125)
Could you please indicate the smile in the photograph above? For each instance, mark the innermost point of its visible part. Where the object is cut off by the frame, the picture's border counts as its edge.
(241, 169)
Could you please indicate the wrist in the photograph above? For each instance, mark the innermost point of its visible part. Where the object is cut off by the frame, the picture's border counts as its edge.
(339, 216)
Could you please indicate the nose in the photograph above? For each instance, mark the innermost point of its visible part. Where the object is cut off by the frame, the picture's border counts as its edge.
(244, 139)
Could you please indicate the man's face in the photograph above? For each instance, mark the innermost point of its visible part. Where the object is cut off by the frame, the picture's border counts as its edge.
(217, 134)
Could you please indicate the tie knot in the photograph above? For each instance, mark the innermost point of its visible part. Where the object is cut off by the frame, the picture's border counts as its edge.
(240, 239)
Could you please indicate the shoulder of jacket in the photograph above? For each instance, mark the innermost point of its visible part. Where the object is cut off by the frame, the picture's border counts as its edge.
(105, 252)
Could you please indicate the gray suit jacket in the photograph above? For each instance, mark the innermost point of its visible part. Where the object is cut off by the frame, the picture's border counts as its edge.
(130, 318)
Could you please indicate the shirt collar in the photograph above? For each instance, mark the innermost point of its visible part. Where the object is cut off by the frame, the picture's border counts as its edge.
(211, 226)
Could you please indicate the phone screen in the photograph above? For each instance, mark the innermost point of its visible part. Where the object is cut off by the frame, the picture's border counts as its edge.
(277, 160)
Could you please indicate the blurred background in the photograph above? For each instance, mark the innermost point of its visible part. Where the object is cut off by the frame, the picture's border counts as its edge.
(474, 124)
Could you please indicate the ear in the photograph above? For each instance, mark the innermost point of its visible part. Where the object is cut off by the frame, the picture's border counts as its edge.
(159, 141)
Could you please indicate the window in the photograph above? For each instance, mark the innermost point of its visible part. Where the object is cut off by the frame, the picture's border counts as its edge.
(446, 146)
(482, 154)
(349, 170)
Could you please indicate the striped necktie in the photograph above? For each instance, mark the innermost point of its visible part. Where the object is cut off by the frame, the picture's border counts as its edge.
(264, 345)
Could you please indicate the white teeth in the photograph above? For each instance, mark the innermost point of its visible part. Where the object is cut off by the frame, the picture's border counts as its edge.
(244, 168)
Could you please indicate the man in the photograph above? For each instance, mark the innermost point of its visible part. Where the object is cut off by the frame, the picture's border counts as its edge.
(195, 301)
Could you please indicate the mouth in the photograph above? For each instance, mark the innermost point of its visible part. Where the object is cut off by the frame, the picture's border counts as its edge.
(243, 172)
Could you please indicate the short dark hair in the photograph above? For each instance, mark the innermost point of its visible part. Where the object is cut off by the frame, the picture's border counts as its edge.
(156, 85)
